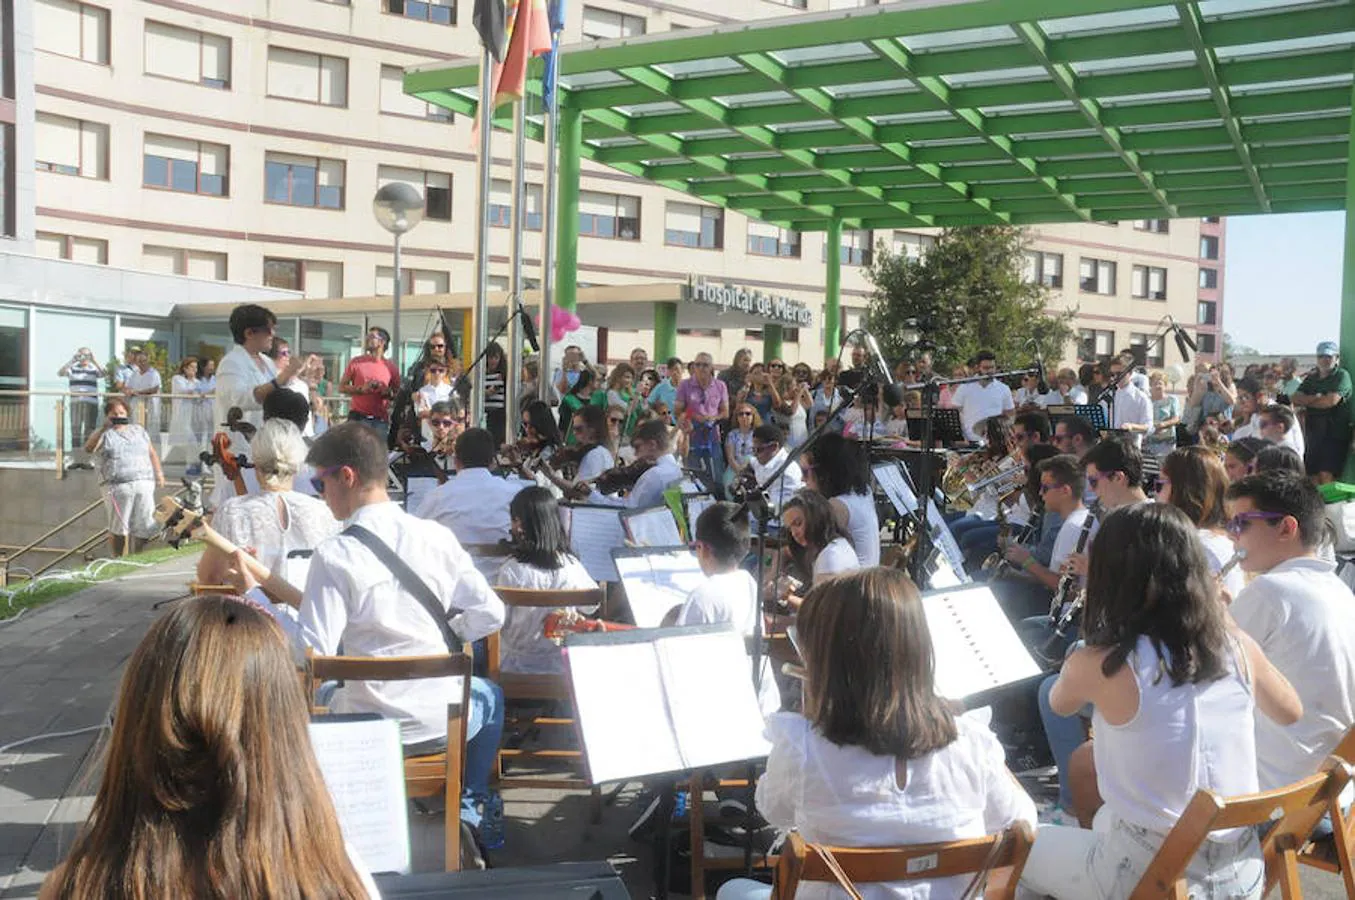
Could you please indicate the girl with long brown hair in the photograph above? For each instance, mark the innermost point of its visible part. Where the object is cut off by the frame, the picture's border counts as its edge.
(878, 759)
(1194, 480)
(210, 787)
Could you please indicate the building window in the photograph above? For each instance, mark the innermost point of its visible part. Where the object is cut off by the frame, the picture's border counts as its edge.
(316, 279)
(1209, 278)
(768, 240)
(192, 167)
(187, 55)
(913, 246)
(435, 186)
(1209, 247)
(1149, 283)
(303, 181)
(395, 102)
(501, 204)
(181, 261)
(71, 146)
(307, 77)
(1096, 276)
(1210, 220)
(67, 28)
(690, 225)
(793, 4)
(603, 24)
(609, 216)
(1044, 268)
(1206, 312)
(72, 247)
(1154, 226)
(1208, 343)
(412, 281)
(441, 12)
(856, 248)
(8, 212)
(1153, 357)
(1093, 344)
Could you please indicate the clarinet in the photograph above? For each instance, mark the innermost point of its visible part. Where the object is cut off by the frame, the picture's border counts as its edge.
(1063, 594)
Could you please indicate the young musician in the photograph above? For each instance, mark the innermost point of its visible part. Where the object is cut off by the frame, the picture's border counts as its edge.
(588, 428)
(729, 593)
(836, 468)
(1174, 694)
(1075, 435)
(354, 599)
(651, 443)
(878, 759)
(768, 455)
(1132, 409)
(1299, 612)
(818, 545)
(1061, 486)
(1114, 471)
(539, 560)
(1239, 460)
(1194, 481)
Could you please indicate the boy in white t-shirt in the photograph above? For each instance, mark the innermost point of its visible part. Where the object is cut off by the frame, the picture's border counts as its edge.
(729, 593)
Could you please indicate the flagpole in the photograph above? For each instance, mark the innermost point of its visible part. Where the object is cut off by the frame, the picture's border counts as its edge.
(552, 210)
(486, 114)
(515, 349)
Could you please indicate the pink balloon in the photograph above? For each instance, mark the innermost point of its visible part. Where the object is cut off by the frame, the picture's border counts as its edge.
(562, 322)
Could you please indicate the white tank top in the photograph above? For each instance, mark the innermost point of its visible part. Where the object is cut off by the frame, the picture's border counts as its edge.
(1182, 739)
(864, 527)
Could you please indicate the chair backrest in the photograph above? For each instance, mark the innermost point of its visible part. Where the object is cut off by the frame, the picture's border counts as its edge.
(1007, 849)
(1345, 748)
(550, 599)
(385, 668)
(1291, 812)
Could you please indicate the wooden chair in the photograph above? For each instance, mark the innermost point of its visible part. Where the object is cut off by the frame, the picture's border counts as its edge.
(1335, 856)
(434, 773)
(519, 687)
(1291, 811)
(1006, 850)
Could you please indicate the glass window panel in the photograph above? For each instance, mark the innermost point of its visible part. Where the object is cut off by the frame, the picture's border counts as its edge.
(276, 182)
(155, 171)
(302, 185)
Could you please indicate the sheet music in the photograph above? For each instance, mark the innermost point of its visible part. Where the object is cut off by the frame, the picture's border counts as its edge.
(895, 486)
(943, 539)
(715, 712)
(657, 582)
(696, 505)
(652, 527)
(363, 766)
(622, 711)
(593, 532)
(690, 486)
(973, 642)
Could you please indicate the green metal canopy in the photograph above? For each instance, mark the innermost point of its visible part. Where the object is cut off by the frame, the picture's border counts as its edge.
(966, 113)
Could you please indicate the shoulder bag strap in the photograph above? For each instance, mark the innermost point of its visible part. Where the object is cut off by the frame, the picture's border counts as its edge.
(411, 582)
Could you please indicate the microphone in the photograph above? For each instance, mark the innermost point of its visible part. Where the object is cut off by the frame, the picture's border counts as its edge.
(1183, 342)
(528, 327)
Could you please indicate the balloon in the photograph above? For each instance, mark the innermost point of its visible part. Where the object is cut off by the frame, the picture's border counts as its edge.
(1176, 373)
(562, 322)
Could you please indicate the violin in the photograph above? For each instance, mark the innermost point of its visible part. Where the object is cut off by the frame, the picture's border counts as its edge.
(230, 464)
(621, 479)
(566, 460)
(422, 457)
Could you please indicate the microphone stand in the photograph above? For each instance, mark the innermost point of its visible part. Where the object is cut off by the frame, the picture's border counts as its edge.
(464, 377)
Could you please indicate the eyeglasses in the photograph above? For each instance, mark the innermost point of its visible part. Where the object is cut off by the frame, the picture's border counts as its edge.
(438, 346)
(745, 415)
(1238, 523)
(442, 423)
(759, 448)
(1046, 487)
(284, 352)
(318, 480)
(1094, 480)
(776, 365)
(615, 421)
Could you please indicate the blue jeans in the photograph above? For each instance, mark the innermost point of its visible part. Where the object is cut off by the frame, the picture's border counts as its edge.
(1065, 734)
(484, 733)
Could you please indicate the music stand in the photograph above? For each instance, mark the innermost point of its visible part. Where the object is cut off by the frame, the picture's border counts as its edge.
(946, 426)
(1094, 413)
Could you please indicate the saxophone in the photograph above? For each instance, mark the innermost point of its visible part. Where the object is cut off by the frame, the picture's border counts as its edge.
(993, 562)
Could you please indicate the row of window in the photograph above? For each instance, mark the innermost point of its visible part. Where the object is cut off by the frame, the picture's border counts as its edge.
(1098, 276)
(1095, 343)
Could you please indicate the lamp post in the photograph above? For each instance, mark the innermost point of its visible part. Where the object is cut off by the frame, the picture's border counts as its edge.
(398, 207)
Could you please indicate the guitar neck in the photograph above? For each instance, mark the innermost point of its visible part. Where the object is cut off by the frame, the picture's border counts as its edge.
(214, 539)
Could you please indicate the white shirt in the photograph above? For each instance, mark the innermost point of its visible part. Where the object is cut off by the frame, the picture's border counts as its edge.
(252, 521)
(424, 399)
(594, 463)
(473, 504)
(1077, 395)
(351, 597)
(837, 557)
(1300, 614)
(1218, 549)
(523, 646)
(1251, 429)
(1066, 543)
(785, 487)
(731, 597)
(1132, 406)
(978, 401)
(863, 527)
(648, 490)
(846, 796)
(237, 375)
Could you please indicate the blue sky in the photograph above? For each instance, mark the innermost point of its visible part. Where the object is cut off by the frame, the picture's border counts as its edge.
(1282, 287)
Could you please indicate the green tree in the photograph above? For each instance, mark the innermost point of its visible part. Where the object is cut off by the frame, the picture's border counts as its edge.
(969, 293)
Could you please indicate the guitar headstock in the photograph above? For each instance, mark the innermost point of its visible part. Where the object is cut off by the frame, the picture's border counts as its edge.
(180, 523)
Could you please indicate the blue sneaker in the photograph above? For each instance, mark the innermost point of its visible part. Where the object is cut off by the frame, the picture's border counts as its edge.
(491, 823)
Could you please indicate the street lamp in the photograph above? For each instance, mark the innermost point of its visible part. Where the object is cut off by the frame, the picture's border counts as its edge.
(398, 207)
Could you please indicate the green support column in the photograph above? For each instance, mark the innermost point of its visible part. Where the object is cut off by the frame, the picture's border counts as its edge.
(665, 333)
(771, 342)
(1348, 278)
(570, 136)
(832, 289)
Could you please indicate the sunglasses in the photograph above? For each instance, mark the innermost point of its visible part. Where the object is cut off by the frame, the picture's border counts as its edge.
(284, 353)
(1046, 488)
(438, 346)
(1240, 522)
(745, 415)
(442, 423)
(776, 366)
(318, 480)
(615, 421)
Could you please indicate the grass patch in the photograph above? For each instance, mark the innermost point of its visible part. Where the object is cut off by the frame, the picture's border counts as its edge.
(52, 585)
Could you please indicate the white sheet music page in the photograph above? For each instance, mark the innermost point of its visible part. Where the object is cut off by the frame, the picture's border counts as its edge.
(891, 481)
(714, 708)
(363, 766)
(653, 528)
(657, 582)
(622, 712)
(593, 532)
(973, 642)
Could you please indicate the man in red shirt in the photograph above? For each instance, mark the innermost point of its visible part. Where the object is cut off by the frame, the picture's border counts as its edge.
(371, 380)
